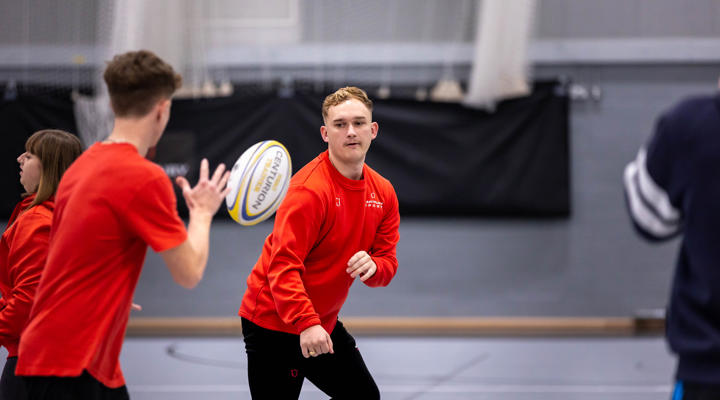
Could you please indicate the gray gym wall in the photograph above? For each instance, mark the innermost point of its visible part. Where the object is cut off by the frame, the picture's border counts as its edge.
(643, 55)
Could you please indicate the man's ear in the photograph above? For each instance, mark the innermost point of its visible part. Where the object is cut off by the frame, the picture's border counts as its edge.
(323, 133)
(159, 110)
(162, 108)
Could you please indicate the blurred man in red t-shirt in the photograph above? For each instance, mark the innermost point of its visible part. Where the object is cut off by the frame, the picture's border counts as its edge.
(112, 204)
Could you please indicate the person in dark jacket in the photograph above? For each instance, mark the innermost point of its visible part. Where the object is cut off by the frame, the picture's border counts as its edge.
(673, 188)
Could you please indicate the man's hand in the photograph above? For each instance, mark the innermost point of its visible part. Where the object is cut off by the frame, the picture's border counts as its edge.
(315, 341)
(208, 194)
(187, 261)
(361, 264)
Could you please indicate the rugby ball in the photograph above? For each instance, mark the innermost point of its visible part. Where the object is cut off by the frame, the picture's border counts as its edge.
(258, 182)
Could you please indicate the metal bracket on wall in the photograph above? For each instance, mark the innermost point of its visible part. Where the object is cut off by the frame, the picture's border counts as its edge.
(578, 92)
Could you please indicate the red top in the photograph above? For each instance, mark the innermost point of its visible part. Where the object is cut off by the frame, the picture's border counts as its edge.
(111, 204)
(23, 251)
(300, 279)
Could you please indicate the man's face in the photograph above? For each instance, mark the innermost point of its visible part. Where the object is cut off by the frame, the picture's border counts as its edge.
(348, 130)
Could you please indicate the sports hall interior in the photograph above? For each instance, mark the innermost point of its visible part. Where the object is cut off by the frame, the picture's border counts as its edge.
(551, 295)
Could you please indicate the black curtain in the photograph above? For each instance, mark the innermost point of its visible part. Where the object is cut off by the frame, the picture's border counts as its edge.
(21, 114)
(442, 158)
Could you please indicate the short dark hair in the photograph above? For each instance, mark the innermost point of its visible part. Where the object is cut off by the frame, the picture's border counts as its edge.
(137, 80)
(56, 150)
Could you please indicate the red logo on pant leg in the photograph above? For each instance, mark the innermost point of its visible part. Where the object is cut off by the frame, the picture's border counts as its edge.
(294, 373)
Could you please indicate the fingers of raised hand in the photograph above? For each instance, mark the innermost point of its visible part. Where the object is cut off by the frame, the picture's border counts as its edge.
(182, 183)
(216, 184)
(204, 170)
(223, 183)
(218, 174)
(186, 190)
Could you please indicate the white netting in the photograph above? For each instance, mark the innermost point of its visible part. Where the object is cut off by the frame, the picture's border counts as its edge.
(399, 48)
(500, 66)
(93, 117)
(173, 29)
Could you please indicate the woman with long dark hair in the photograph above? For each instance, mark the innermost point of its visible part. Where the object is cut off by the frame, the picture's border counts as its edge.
(24, 244)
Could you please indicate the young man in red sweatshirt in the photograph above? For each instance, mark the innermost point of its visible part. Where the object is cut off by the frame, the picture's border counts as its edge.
(338, 222)
(111, 204)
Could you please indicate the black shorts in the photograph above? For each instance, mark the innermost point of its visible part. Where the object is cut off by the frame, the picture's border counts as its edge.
(12, 387)
(72, 388)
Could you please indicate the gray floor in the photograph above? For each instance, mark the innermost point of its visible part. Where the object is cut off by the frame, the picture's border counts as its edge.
(423, 368)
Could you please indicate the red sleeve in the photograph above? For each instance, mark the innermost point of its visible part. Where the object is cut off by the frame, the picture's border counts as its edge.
(152, 215)
(296, 229)
(383, 249)
(26, 260)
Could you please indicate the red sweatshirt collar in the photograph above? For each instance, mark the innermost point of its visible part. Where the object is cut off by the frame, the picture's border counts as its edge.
(25, 202)
(348, 183)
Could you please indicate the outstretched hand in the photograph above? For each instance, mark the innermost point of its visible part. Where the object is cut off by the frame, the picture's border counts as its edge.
(208, 193)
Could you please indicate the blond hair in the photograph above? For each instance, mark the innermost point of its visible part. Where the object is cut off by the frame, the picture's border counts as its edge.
(344, 94)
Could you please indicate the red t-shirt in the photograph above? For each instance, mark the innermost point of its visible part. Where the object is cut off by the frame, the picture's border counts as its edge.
(300, 279)
(23, 251)
(110, 205)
